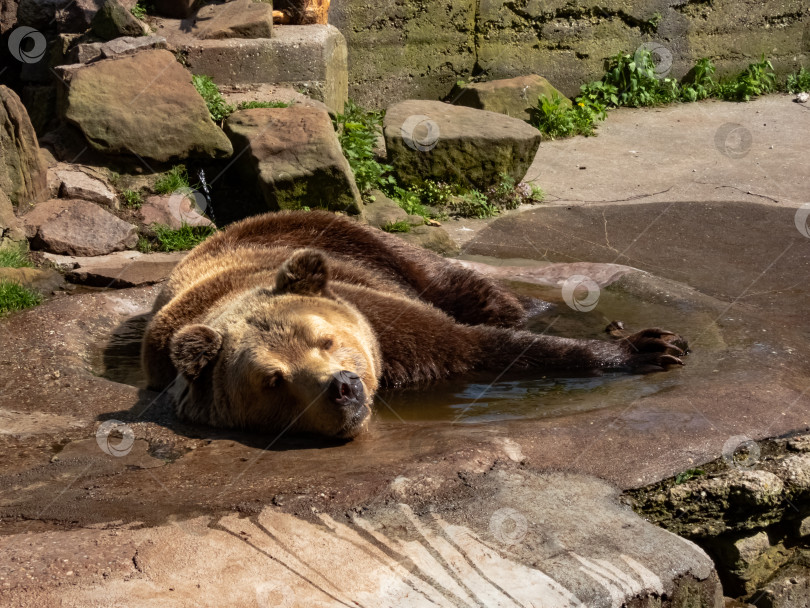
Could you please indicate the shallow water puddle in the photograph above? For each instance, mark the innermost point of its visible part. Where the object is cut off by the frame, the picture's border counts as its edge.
(495, 396)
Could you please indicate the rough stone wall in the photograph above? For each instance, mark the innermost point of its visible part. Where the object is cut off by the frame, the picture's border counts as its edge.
(420, 48)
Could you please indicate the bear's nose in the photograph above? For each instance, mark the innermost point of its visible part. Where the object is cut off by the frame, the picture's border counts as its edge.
(346, 389)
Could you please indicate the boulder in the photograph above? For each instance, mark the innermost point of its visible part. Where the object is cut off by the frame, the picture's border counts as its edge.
(296, 157)
(76, 16)
(178, 9)
(434, 238)
(382, 210)
(237, 19)
(10, 226)
(143, 104)
(171, 210)
(23, 171)
(43, 280)
(8, 15)
(118, 270)
(38, 13)
(435, 140)
(76, 227)
(113, 20)
(77, 184)
(511, 96)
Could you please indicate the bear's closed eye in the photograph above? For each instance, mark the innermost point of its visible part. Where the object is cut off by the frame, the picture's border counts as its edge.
(326, 343)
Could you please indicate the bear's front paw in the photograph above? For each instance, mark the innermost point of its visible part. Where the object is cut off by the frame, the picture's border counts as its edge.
(651, 349)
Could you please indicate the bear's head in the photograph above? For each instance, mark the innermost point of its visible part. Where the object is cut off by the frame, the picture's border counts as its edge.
(293, 357)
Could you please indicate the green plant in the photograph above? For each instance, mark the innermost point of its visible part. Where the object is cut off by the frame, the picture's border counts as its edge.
(757, 79)
(139, 10)
(400, 226)
(357, 130)
(473, 203)
(799, 82)
(699, 83)
(144, 244)
(556, 117)
(251, 105)
(687, 475)
(132, 198)
(536, 194)
(14, 296)
(408, 200)
(14, 256)
(217, 107)
(182, 239)
(651, 25)
(172, 180)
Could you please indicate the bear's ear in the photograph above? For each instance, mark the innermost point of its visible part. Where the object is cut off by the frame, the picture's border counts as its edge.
(194, 347)
(306, 273)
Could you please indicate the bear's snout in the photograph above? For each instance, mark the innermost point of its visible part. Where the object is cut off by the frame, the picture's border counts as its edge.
(346, 390)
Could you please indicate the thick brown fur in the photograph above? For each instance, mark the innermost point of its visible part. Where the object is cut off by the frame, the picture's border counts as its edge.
(258, 317)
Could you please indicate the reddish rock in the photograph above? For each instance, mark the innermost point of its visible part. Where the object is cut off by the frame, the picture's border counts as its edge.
(237, 19)
(118, 270)
(172, 210)
(76, 227)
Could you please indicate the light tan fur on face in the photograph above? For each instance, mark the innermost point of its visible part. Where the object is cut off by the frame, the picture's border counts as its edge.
(278, 355)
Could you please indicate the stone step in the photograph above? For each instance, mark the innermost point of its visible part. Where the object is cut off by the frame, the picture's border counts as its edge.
(311, 59)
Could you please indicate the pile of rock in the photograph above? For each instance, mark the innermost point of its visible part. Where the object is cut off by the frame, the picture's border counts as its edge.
(751, 514)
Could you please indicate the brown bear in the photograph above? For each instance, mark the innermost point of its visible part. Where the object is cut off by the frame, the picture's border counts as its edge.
(292, 320)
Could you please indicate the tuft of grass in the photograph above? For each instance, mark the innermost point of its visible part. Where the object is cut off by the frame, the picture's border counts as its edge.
(399, 226)
(799, 82)
(172, 180)
(144, 245)
(250, 105)
(14, 296)
(185, 238)
(132, 198)
(14, 256)
(217, 107)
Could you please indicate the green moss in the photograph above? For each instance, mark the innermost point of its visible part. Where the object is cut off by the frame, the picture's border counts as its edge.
(400, 226)
(14, 296)
(251, 105)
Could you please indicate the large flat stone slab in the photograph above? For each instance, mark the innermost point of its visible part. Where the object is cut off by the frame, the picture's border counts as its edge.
(118, 270)
(507, 544)
(456, 144)
(236, 19)
(311, 58)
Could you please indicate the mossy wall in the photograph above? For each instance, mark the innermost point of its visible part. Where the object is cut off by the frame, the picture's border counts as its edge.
(402, 49)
